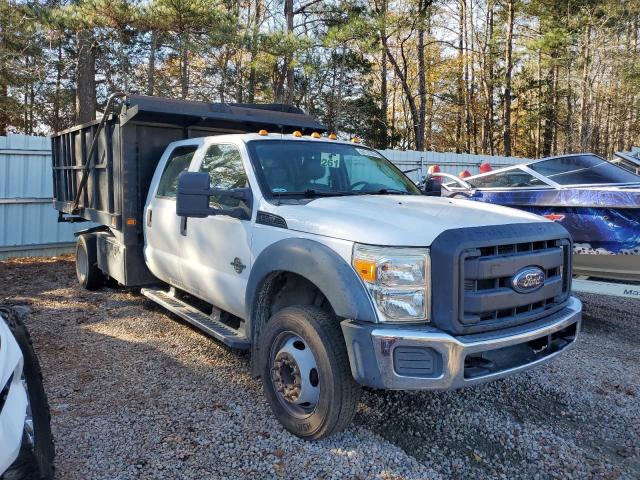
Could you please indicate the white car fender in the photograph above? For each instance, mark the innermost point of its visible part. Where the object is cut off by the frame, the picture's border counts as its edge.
(12, 413)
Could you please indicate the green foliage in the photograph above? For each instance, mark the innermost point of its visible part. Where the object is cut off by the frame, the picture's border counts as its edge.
(575, 83)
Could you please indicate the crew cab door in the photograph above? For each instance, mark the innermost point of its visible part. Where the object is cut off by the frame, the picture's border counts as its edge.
(217, 250)
(163, 242)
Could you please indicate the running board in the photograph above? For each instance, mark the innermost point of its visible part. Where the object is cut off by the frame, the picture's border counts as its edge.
(195, 317)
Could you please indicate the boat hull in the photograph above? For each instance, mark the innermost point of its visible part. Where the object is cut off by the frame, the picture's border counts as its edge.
(604, 225)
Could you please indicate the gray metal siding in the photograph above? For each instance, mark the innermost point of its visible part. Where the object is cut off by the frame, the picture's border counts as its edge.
(28, 222)
(452, 163)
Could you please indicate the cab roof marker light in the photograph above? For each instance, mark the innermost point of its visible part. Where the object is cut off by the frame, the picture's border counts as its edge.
(332, 136)
(355, 140)
(315, 135)
(297, 133)
(263, 132)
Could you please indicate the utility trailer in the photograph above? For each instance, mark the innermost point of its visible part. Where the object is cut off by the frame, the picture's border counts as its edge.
(102, 169)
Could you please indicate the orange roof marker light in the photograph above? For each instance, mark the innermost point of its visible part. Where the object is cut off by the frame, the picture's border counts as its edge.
(263, 132)
(464, 174)
(355, 140)
(315, 135)
(332, 136)
(297, 133)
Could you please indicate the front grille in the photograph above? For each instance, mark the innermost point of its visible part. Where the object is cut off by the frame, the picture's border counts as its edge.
(472, 268)
(487, 298)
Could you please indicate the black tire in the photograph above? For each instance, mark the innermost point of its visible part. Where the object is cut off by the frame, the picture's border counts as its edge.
(89, 275)
(35, 461)
(339, 393)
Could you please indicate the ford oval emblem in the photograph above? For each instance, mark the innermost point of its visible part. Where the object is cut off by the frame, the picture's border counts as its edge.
(528, 280)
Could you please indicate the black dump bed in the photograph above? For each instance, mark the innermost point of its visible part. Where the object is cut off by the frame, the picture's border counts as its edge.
(132, 142)
(108, 184)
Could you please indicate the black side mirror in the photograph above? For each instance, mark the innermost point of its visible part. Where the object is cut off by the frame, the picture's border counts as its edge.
(193, 197)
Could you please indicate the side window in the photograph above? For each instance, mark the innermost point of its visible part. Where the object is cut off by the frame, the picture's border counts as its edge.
(178, 162)
(223, 163)
(509, 179)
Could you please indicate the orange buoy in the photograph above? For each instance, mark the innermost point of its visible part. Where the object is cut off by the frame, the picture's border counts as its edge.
(434, 169)
(485, 167)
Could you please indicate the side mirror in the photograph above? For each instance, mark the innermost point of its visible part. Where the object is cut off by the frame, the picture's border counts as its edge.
(193, 197)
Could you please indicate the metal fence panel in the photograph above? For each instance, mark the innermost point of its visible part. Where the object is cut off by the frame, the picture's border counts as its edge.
(452, 163)
(28, 222)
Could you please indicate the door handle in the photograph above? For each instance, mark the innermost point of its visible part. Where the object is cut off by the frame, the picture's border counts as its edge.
(183, 226)
(149, 217)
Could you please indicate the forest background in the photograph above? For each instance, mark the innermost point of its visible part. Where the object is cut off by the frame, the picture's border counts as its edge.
(527, 78)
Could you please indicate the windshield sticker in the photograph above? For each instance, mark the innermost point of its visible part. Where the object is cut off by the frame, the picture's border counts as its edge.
(278, 190)
(330, 160)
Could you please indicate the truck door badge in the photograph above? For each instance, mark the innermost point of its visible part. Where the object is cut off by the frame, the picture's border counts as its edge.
(237, 265)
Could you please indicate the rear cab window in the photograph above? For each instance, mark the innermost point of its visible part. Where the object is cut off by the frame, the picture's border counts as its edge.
(178, 162)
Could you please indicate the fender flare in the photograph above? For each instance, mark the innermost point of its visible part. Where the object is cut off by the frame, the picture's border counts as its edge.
(316, 262)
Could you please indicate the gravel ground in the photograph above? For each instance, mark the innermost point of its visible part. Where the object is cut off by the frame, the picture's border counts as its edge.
(136, 393)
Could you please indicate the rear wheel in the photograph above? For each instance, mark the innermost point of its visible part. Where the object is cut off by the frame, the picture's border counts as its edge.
(305, 372)
(87, 271)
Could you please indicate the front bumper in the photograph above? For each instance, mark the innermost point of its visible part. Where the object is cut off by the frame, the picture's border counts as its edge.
(423, 357)
(13, 409)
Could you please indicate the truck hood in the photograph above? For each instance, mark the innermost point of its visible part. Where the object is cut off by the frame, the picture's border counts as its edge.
(395, 220)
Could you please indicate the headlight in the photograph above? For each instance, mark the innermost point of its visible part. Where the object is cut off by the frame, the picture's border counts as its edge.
(397, 280)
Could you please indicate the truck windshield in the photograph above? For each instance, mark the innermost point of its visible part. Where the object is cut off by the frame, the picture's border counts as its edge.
(317, 168)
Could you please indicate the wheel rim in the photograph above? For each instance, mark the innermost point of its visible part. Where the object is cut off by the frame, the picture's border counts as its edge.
(28, 419)
(82, 264)
(294, 375)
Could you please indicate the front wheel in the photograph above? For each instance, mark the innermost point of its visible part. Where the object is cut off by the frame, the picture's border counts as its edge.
(305, 372)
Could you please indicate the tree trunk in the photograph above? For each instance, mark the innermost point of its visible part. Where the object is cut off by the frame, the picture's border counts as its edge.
(422, 88)
(413, 108)
(460, 92)
(56, 99)
(288, 13)
(506, 132)
(584, 103)
(430, 96)
(85, 78)
(555, 109)
(151, 70)
(488, 83)
(4, 117)
(466, 83)
(549, 113)
(384, 90)
(251, 88)
(568, 141)
(184, 66)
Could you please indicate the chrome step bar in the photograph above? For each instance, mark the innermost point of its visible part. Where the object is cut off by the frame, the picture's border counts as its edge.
(208, 324)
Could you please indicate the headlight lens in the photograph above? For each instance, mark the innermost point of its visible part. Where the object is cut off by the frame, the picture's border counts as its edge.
(397, 280)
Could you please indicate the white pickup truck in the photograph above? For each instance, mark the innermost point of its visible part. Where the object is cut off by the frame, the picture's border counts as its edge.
(317, 255)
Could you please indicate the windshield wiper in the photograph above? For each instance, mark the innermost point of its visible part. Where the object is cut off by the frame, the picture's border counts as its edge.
(387, 191)
(310, 193)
